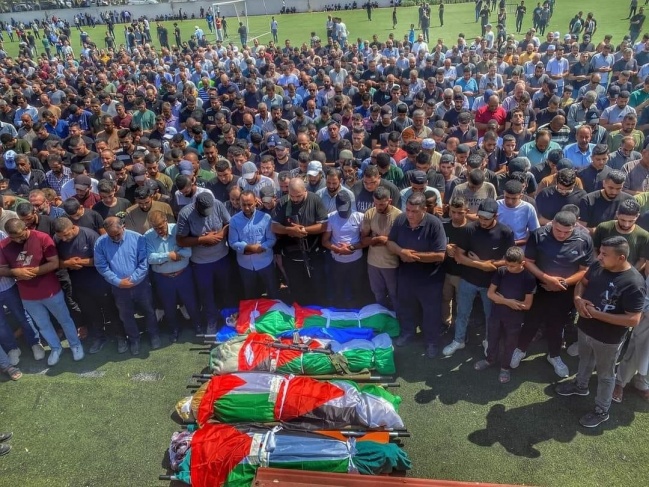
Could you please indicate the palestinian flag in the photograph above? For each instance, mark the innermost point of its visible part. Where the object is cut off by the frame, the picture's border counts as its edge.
(374, 316)
(222, 455)
(265, 316)
(249, 397)
(261, 352)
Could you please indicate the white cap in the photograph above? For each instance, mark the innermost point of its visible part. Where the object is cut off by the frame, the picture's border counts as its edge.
(314, 168)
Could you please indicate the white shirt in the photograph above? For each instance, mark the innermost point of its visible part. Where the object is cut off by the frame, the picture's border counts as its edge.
(345, 231)
(68, 191)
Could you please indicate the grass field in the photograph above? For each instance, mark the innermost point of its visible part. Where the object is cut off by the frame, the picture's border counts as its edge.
(107, 420)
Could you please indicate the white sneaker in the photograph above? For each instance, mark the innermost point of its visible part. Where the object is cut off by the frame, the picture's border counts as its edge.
(573, 350)
(452, 348)
(485, 345)
(38, 351)
(517, 356)
(54, 357)
(77, 353)
(183, 311)
(560, 368)
(14, 356)
(159, 314)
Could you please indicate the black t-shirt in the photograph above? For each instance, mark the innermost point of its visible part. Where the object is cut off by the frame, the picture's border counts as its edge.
(549, 201)
(429, 236)
(83, 246)
(560, 259)
(105, 211)
(613, 293)
(487, 244)
(595, 209)
(220, 190)
(592, 179)
(453, 236)
(90, 219)
(311, 211)
(511, 286)
(365, 200)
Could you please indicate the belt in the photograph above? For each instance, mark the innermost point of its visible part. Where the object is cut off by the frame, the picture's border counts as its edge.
(173, 274)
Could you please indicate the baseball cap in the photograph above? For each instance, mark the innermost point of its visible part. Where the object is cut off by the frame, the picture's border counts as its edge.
(248, 170)
(272, 140)
(10, 159)
(517, 164)
(82, 181)
(614, 91)
(551, 47)
(428, 144)
(556, 35)
(488, 208)
(283, 143)
(204, 203)
(592, 118)
(346, 155)
(109, 176)
(169, 133)
(551, 85)
(138, 171)
(564, 163)
(314, 168)
(418, 177)
(266, 194)
(185, 167)
(343, 201)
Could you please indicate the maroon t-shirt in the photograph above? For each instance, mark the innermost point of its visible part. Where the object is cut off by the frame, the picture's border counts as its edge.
(32, 253)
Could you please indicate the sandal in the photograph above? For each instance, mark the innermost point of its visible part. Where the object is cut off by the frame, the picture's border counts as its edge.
(505, 376)
(13, 372)
(481, 365)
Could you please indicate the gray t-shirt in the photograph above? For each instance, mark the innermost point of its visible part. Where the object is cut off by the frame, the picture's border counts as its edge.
(191, 224)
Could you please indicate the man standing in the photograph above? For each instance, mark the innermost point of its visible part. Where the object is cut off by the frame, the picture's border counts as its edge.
(454, 229)
(170, 272)
(382, 264)
(251, 237)
(609, 300)
(517, 214)
(75, 246)
(30, 257)
(299, 220)
(121, 258)
(558, 255)
(203, 225)
(418, 239)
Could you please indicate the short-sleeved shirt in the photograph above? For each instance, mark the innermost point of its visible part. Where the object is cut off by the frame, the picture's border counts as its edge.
(549, 201)
(192, 224)
(310, 212)
(511, 286)
(474, 198)
(595, 209)
(637, 176)
(453, 236)
(106, 211)
(32, 253)
(487, 244)
(90, 219)
(380, 225)
(612, 293)
(83, 246)
(638, 239)
(365, 199)
(428, 236)
(345, 230)
(560, 259)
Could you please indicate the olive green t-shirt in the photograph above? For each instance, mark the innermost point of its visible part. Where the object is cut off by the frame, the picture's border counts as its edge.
(638, 240)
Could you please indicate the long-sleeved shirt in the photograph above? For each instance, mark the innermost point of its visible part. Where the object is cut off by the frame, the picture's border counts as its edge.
(158, 249)
(249, 231)
(121, 260)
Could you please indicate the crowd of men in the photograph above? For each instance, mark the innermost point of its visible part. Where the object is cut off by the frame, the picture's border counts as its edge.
(418, 176)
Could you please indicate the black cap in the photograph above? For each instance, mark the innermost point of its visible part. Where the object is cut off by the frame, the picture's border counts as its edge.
(488, 208)
(204, 203)
(418, 177)
(343, 201)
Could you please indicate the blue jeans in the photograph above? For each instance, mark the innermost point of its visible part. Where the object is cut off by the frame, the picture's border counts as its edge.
(174, 290)
(465, 295)
(40, 312)
(127, 300)
(4, 359)
(11, 299)
(212, 281)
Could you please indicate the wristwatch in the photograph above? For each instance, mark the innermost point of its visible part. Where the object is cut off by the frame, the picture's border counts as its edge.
(352, 248)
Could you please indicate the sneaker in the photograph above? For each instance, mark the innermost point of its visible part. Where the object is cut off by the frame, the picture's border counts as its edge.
(5, 436)
(517, 356)
(504, 376)
(122, 345)
(54, 357)
(485, 345)
(618, 392)
(38, 351)
(183, 311)
(159, 314)
(573, 350)
(156, 343)
(481, 365)
(560, 368)
(403, 340)
(452, 348)
(14, 373)
(4, 449)
(14, 356)
(593, 419)
(211, 329)
(97, 345)
(571, 389)
(77, 353)
(432, 351)
(135, 347)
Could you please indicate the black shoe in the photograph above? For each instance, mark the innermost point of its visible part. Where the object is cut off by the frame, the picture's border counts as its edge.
(97, 345)
(432, 351)
(135, 347)
(5, 436)
(571, 389)
(404, 339)
(173, 336)
(156, 343)
(122, 345)
(4, 449)
(593, 419)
